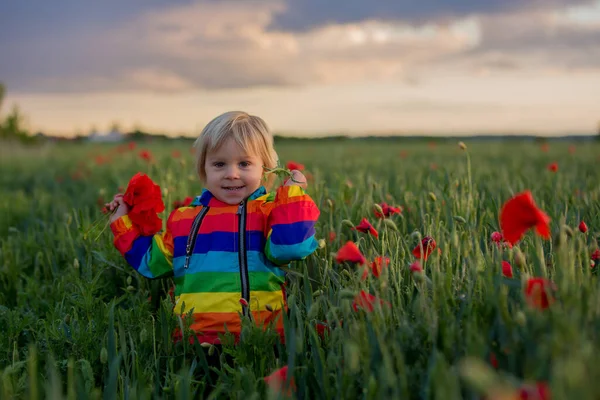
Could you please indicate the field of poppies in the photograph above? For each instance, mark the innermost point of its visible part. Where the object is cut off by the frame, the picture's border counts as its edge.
(445, 271)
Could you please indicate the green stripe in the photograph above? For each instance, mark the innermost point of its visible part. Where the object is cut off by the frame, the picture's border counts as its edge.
(216, 282)
(158, 264)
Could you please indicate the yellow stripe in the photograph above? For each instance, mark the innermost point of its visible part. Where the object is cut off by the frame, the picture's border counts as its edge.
(127, 221)
(295, 190)
(163, 249)
(226, 302)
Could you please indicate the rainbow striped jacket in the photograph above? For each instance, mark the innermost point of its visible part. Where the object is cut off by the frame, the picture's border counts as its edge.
(236, 256)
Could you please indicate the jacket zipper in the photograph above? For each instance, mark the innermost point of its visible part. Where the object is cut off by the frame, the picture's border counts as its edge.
(243, 257)
(191, 242)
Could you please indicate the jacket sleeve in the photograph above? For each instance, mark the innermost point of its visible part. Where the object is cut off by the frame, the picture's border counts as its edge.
(151, 256)
(291, 226)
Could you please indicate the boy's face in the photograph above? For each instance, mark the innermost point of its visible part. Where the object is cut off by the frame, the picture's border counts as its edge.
(231, 173)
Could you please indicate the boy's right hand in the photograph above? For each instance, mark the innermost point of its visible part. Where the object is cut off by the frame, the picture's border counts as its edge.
(117, 203)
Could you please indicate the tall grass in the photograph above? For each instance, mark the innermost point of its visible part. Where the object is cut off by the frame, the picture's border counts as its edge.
(77, 322)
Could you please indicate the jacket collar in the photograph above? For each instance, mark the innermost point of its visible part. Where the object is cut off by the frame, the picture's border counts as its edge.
(207, 199)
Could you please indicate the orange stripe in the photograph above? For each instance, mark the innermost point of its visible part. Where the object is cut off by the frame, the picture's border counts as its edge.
(215, 322)
(185, 213)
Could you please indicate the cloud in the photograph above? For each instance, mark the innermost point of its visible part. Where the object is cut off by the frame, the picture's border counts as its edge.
(303, 15)
(536, 39)
(230, 44)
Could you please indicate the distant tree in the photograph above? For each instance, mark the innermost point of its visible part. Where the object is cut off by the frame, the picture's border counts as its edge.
(115, 127)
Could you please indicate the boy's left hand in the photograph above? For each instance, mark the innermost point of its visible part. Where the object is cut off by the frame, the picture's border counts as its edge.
(297, 179)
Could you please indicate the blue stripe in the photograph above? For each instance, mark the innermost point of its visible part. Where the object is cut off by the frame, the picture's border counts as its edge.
(224, 262)
(292, 233)
(139, 248)
(286, 253)
(219, 241)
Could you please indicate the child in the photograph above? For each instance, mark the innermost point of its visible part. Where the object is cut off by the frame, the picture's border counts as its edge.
(224, 249)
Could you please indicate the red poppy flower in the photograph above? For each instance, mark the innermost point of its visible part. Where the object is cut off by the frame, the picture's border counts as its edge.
(366, 227)
(387, 210)
(186, 202)
(278, 378)
(428, 245)
(416, 267)
(294, 165)
(583, 227)
(332, 236)
(131, 145)
(376, 266)
(366, 301)
(144, 198)
(572, 149)
(519, 214)
(538, 292)
(596, 255)
(553, 167)
(507, 269)
(496, 237)
(350, 253)
(545, 147)
(175, 154)
(493, 360)
(540, 391)
(146, 155)
(321, 329)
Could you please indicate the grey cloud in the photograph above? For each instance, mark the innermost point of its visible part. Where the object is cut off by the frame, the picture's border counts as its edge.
(302, 15)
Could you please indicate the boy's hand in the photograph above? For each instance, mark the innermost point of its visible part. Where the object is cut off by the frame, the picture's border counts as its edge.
(297, 179)
(119, 204)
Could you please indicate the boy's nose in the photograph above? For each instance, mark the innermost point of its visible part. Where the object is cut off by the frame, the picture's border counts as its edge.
(232, 173)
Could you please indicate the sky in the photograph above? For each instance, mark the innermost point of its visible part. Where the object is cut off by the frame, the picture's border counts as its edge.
(308, 67)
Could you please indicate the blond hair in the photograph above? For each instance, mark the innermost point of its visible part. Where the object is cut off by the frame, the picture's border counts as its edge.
(250, 132)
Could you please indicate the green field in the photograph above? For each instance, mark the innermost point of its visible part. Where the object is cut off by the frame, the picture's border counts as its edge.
(76, 320)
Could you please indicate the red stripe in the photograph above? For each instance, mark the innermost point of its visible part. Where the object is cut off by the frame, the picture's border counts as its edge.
(229, 223)
(123, 243)
(294, 212)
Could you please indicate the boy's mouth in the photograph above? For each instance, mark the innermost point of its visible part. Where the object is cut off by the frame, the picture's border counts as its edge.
(233, 188)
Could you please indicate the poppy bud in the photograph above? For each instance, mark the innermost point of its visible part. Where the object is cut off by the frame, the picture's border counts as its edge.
(211, 350)
(583, 227)
(103, 355)
(378, 208)
(165, 192)
(415, 235)
(143, 335)
(321, 243)
(130, 288)
(567, 229)
(519, 258)
(330, 204)
(347, 294)
(129, 280)
(243, 302)
(432, 196)
(269, 308)
(460, 219)
(76, 263)
(205, 344)
(317, 293)
(390, 224)
(462, 146)
(347, 223)
(520, 318)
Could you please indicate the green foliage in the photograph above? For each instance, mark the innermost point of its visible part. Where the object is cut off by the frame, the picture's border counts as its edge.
(76, 320)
